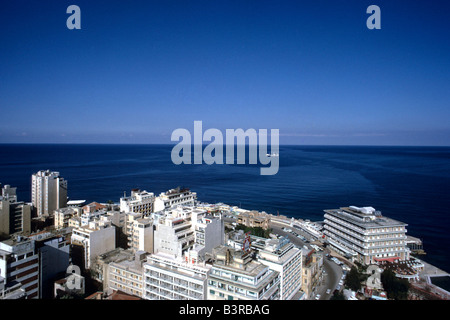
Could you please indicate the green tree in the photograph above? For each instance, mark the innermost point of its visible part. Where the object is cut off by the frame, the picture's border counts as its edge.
(353, 279)
(395, 287)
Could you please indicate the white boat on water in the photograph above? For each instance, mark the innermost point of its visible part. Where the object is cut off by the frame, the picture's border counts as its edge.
(272, 154)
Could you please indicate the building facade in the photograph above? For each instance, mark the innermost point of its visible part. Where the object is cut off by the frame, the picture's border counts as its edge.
(48, 192)
(15, 216)
(236, 276)
(175, 197)
(169, 278)
(95, 239)
(364, 235)
(19, 263)
(282, 256)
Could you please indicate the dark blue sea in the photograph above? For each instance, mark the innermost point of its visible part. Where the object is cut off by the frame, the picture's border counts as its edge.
(410, 184)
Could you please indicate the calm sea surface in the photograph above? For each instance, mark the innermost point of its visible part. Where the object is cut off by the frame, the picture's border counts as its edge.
(410, 184)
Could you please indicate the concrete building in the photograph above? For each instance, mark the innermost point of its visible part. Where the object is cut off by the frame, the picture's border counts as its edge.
(96, 238)
(15, 216)
(54, 259)
(142, 238)
(254, 219)
(63, 215)
(175, 197)
(283, 257)
(311, 271)
(364, 235)
(19, 263)
(236, 276)
(208, 234)
(179, 229)
(100, 266)
(12, 291)
(48, 192)
(127, 275)
(138, 202)
(169, 278)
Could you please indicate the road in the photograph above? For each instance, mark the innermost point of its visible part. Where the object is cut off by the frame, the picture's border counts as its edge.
(332, 272)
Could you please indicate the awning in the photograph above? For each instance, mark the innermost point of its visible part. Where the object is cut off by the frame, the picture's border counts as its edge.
(390, 259)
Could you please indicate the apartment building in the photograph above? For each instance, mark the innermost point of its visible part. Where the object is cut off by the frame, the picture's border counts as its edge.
(167, 277)
(283, 257)
(175, 197)
(138, 202)
(15, 216)
(311, 271)
(63, 215)
(48, 191)
(54, 259)
(127, 275)
(19, 263)
(236, 276)
(94, 239)
(364, 235)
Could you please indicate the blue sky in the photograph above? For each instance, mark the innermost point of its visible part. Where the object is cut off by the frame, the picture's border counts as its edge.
(137, 70)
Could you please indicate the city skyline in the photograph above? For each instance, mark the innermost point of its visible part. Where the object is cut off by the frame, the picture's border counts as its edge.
(134, 73)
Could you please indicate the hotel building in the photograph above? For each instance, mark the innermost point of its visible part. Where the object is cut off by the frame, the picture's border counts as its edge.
(364, 235)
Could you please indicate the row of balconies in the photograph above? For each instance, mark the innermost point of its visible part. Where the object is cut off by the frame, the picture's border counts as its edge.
(366, 232)
(333, 227)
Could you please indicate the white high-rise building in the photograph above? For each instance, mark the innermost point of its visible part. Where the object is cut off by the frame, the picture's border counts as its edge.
(48, 191)
(282, 256)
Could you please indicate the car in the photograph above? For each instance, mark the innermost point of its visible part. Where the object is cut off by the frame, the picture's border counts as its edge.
(317, 297)
(328, 291)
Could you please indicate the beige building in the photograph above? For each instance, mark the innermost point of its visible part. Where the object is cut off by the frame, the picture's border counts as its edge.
(62, 217)
(254, 219)
(127, 275)
(312, 271)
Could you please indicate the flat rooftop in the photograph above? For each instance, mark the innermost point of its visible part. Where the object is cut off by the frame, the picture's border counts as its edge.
(364, 220)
